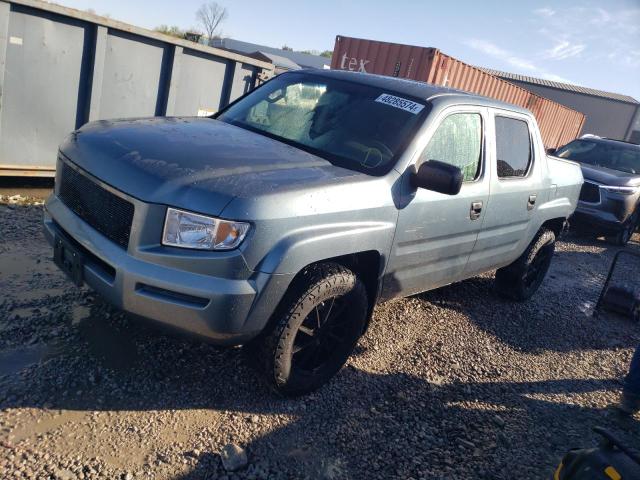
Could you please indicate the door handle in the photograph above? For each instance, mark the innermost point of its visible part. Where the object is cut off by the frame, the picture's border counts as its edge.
(476, 210)
(531, 203)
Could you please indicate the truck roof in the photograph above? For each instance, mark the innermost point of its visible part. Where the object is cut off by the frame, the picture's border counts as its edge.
(414, 88)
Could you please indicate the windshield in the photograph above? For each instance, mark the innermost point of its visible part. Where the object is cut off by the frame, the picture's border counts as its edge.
(352, 125)
(616, 157)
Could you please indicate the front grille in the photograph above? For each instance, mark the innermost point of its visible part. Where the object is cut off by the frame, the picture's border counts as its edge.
(107, 213)
(590, 192)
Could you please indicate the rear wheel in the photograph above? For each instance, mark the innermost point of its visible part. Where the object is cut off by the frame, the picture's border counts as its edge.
(312, 338)
(520, 280)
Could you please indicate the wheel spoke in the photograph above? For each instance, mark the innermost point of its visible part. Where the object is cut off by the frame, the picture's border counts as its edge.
(326, 317)
(307, 331)
(316, 357)
(333, 335)
(337, 311)
(305, 357)
(318, 316)
(302, 346)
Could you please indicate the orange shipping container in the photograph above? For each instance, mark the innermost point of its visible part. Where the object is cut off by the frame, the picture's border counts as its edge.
(558, 124)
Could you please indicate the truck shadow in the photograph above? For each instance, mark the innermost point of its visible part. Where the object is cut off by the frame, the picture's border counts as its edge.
(361, 425)
(564, 303)
(402, 426)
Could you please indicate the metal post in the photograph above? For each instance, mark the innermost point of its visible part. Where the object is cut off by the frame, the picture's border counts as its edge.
(173, 80)
(227, 86)
(98, 72)
(5, 10)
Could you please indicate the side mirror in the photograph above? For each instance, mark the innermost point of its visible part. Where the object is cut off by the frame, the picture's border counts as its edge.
(551, 151)
(438, 177)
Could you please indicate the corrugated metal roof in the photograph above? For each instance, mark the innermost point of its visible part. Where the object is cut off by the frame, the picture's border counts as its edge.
(279, 61)
(305, 60)
(562, 86)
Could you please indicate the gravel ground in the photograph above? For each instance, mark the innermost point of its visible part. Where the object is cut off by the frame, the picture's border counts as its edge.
(454, 383)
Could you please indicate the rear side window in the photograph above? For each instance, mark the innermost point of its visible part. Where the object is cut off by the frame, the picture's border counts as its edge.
(513, 147)
(457, 141)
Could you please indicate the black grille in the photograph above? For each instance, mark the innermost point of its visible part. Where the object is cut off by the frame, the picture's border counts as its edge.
(107, 213)
(590, 192)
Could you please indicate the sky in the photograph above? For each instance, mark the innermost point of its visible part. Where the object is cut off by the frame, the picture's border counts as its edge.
(595, 44)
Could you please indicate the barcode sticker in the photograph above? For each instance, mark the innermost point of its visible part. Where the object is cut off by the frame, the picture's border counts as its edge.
(402, 103)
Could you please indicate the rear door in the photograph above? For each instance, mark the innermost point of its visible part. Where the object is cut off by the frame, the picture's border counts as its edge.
(515, 184)
(436, 233)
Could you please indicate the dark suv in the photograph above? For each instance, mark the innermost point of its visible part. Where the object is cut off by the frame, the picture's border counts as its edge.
(610, 197)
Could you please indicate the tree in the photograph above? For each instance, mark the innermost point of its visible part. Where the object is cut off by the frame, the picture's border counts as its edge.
(210, 16)
(327, 53)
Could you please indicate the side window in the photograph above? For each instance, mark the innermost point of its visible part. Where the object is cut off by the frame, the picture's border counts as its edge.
(457, 141)
(513, 147)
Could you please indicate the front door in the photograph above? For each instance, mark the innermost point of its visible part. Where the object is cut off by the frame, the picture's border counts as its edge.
(436, 233)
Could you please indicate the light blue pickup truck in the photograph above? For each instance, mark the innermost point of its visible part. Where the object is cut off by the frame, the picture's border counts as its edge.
(281, 221)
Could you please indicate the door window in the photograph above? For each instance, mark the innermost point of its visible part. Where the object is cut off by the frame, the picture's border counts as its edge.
(457, 141)
(513, 147)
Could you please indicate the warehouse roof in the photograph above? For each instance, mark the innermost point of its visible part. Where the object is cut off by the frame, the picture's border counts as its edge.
(305, 60)
(562, 86)
(277, 60)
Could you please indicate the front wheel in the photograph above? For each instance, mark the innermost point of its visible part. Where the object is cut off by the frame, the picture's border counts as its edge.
(520, 280)
(312, 338)
(624, 235)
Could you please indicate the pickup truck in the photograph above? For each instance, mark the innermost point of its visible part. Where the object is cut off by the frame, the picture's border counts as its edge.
(282, 220)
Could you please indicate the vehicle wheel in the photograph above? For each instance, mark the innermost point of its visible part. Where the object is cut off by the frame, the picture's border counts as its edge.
(624, 235)
(520, 280)
(312, 337)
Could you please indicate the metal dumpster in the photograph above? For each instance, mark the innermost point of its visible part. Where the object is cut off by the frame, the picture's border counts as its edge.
(60, 68)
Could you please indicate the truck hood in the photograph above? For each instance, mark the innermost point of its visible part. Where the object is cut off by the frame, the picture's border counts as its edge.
(199, 164)
(608, 176)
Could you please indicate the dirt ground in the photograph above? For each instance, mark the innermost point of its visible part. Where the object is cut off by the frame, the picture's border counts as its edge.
(454, 383)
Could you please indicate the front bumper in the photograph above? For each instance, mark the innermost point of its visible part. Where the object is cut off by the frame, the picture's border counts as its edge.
(156, 282)
(608, 216)
(596, 221)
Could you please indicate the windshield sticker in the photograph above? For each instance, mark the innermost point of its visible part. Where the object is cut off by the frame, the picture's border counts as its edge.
(402, 103)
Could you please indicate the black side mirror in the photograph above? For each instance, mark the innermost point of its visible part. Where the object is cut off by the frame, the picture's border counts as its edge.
(551, 151)
(439, 177)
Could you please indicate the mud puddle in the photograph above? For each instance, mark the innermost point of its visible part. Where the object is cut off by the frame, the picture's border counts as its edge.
(17, 359)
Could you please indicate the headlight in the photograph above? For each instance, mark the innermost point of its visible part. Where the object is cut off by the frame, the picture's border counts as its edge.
(621, 190)
(190, 230)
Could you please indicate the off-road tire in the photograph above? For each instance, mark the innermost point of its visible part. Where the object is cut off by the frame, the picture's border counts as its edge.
(518, 281)
(273, 352)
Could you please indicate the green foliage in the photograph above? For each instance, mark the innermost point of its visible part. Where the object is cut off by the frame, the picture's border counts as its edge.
(173, 30)
(326, 53)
